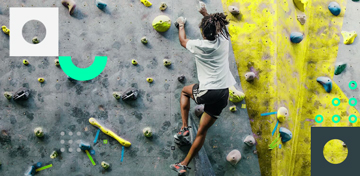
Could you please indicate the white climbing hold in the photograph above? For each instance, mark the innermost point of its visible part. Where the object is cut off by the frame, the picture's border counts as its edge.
(234, 157)
(250, 140)
(234, 10)
(249, 76)
(199, 110)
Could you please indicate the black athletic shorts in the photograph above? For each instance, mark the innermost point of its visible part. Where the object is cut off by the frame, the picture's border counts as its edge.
(214, 100)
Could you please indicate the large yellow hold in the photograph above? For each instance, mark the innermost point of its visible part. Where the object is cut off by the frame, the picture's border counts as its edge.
(161, 23)
(301, 4)
(349, 37)
(235, 95)
(146, 3)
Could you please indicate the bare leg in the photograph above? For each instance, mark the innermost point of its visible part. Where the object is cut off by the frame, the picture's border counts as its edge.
(205, 123)
(186, 94)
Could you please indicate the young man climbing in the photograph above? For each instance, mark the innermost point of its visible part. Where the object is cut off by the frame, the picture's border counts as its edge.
(211, 58)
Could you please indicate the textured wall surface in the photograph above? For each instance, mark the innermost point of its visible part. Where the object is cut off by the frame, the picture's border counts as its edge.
(63, 108)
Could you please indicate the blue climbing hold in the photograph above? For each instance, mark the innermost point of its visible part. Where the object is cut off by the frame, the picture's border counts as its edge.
(296, 37)
(334, 8)
(92, 152)
(38, 165)
(285, 134)
(326, 82)
(100, 4)
(30, 171)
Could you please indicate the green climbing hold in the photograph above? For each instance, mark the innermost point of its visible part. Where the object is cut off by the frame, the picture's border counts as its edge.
(339, 68)
(117, 95)
(54, 154)
(147, 132)
(161, 23)
(144, 40)
(166, 62)
(8, 95)
(105, 165)
(39, 132)
(35, 40)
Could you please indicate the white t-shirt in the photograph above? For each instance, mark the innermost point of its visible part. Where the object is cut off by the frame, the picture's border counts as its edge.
(212, 63)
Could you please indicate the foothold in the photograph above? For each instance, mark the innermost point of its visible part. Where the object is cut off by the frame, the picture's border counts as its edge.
(30, 171)
(161, 23)
(166, 62)
(92, 152)
(38, 165)
(134, 62)
(35, 40)
(296, 37)
(84, 146)
(130, 94)
(144, 40)
(70, 4)
(25, 62)
(57, 63)
(41, 80)
(325, 82)
(232, 108)
(285, 134)
(5, 30)
(39, 132)
(54, 154)
(117, 95)
(146, 3)
(8, 95)
(234, 157)
(22, 94)
(147, 132)
(334, 8)
(199, 110)
(181, 78)
(249, 76)
(250, 140)
(301, 4)
(339, 68)
(105, 165)
(301, 19)
(349, 37)
(150, 80)
(163, 6)
(235, 95)
(282, 114)
(100, 4)
(234, 10)
(71, 79)
(343, 144)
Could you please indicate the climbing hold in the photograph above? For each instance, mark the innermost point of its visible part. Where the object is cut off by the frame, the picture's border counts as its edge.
(22, 94)
(84, 146)
(199, 110)
(249, 140)
(232, 108)
(130, 94)
(334, 8)
(147, 132)
(30, 171)
(163, 6)
(161, 23)
(181, 78)
(282, 114)
(234, 157)
(301, 19)
(144, 40)
(117, 95)
(41, 80)
(57, 63)
(100, 4)
(234, 10)
(301, 4)
(339, 68)
(54, 154)
(35, 40)
(146, 3)
(166, 62)
(105, 165)
(5, 30)
(285, 134)
(71, 79)
(150, 80)
(249, 76)
(70, 4)
(25, 62)
(235, 95)
(349, 37)
(39, 132)
(38, 165)
(326, 82)
(134, 62)
(8, 95)
(343, 144)
(296, 37)
(176, 23)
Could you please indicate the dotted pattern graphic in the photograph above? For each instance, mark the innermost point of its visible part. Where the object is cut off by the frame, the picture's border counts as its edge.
(70, 142)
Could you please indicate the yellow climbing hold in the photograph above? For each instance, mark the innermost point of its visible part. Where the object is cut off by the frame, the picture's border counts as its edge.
(150, 80)
(161, 23)
(282, 114)
(301, 4)
(235, 95)
(349, 37)
(25, 62)
(146, 3)
(5, 30)
(232, 108)
(41, 80)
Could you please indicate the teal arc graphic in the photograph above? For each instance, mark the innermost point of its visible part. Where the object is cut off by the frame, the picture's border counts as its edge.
(83, 74)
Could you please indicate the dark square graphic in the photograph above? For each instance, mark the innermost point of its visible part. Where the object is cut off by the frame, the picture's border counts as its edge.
(320, 136)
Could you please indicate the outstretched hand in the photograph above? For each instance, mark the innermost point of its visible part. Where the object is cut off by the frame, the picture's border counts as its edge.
(202, 9)
(180, 22)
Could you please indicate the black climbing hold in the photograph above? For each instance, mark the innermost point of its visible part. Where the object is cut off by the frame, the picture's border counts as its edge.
(130, 94)
(181, 78)
(21, 94)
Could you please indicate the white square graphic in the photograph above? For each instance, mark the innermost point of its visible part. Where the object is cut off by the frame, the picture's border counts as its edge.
(49, 16)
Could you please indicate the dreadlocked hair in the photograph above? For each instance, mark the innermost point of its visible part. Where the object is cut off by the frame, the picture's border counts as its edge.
(213, 25)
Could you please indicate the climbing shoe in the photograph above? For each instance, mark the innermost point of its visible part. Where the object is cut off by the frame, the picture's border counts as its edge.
(179, 168)
(181, 133)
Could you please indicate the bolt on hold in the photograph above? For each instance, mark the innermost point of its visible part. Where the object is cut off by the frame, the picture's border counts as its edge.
(105, 165)
(117, 95)
(134, 62)
(150, 80)
(25, 62)
(144, 40)
(70, 4)
(163, 6)
(166, 62)
(39, 132)
(35, 40)
(8, 95)
(57, 63)
(41, 80)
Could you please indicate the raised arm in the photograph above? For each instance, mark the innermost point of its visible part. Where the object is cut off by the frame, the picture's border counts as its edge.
(202, 9)
(182, 35)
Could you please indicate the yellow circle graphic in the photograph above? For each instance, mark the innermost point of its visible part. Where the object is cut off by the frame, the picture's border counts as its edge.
(335, 151)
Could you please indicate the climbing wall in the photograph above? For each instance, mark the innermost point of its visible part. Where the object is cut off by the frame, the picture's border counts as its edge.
(63, 108)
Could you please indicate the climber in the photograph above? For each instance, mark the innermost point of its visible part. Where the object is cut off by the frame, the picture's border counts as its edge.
(211, 58)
